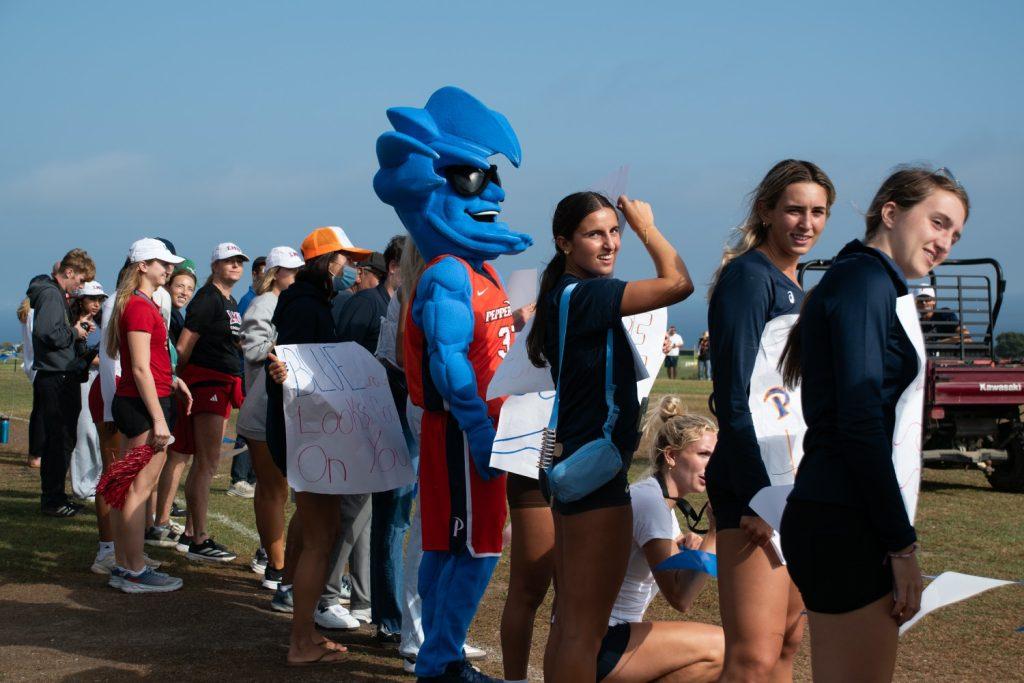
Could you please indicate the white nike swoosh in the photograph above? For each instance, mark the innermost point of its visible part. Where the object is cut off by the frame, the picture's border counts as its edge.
(482, 292)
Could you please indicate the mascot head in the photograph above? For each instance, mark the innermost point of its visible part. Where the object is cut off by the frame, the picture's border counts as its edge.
(435, 172)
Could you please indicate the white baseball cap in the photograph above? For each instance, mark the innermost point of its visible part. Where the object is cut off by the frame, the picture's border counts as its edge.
(925, 293)
(148, 249)
(284, 257)
(227, 250)
(90, 288)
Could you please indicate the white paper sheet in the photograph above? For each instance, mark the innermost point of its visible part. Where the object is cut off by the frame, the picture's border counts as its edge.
(950, 587)
(769, 504)
(521, 287)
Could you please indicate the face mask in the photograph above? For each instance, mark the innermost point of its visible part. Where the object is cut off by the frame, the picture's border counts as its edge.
(346, 279)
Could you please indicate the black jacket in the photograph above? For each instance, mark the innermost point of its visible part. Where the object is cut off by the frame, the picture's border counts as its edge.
(303, 316)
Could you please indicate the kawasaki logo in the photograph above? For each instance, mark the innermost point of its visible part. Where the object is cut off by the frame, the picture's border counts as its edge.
(1010, 386)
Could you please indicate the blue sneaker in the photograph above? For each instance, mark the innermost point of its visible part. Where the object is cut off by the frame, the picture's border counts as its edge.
(116, 576)
(282, 600)
(149, 581)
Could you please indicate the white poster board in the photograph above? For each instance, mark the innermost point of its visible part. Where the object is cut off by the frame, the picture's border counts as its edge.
(777, 414)
(906, 437)
(531, 391)
(342, 429)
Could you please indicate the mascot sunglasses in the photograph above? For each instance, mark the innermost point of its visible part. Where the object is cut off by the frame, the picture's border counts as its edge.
(470, 181)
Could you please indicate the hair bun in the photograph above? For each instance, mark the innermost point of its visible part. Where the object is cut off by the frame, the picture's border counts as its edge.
(670, 407)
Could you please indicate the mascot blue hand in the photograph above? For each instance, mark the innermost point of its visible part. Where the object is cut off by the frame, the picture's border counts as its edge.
(481, 439)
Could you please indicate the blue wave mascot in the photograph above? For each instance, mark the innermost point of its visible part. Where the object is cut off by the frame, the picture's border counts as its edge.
(435, 172)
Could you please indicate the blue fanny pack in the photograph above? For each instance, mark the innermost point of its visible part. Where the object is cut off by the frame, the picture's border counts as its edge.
(596, 462)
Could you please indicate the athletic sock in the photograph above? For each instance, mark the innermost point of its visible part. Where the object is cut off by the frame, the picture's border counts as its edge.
(106, 548)
(285, 587)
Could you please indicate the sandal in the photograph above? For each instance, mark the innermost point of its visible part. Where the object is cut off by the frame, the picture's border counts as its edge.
(324, 658)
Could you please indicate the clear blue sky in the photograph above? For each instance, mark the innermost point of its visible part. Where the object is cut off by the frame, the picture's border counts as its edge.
(255, 121)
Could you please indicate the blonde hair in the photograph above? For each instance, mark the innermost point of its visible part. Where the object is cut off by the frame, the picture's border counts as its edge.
(126, 286)
(411, 267)
(753, 232)
(670, 427)
(266, 282)
(23, 308)
(80, 262)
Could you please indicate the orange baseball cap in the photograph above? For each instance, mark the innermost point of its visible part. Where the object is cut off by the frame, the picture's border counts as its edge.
(330, 239)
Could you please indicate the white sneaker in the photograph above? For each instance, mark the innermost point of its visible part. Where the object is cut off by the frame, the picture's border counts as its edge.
(241, 489)
(103, 565)
(473, 653)
(362, 615)
(150, 562)
(178, 529)
(335, 617)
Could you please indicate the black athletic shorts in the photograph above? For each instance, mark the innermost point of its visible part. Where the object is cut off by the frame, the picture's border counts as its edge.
(613, 645)
(613, 494)
(132, 418)
(523, 492)
(834, 556)
(727, 507)
(671, 361)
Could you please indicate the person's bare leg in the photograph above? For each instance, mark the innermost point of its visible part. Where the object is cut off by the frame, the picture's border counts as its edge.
(130, 521)
(754, 597)
(189, 483)
(532, 564)
(108, 450)
(795, 623)
(167, 487)
(856, 647)
(670, 651)
(209, 432)
(269, 501)
(292, 548)
(319, 527)
(594, 555)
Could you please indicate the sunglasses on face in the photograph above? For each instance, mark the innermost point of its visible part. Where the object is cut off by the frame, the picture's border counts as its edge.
(470, 181)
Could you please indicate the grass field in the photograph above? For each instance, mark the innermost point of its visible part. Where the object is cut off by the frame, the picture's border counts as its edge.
(59, 621)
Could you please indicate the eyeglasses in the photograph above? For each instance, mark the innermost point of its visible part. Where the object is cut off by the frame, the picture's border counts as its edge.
(470, 181)
(946, 173)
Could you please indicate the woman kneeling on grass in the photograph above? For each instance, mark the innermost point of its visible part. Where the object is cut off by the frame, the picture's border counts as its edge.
(142, 407)
(637, 650)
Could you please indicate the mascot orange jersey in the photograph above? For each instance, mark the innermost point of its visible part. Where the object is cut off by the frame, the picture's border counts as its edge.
(460, 509)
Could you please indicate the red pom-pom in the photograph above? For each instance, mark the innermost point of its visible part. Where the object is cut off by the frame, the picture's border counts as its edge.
(116, 481)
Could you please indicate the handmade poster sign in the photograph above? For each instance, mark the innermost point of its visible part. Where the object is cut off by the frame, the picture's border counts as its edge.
(777, 415)
(906, 437)
(341, 425)
(531, 391)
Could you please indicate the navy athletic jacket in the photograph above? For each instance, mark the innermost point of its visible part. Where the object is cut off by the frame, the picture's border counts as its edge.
(856, 362)
(750, 292)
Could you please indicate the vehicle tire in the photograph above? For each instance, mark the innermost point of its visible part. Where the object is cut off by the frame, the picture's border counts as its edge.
(1009, 474)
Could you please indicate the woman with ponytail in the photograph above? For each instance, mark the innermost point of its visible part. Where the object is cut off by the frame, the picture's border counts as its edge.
(592, 533)
(638, 650)
(143, 412)
(847, 531)
(754, 299)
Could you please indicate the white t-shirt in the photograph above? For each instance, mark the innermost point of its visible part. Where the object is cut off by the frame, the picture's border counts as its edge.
(27, 355)
(676, 344)
(652, 519)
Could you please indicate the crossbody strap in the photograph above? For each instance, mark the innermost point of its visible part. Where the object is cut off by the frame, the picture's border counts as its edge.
(609, 387)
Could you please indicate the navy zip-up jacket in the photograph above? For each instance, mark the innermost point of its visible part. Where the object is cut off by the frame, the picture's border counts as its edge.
(856, 362)
(750, 292)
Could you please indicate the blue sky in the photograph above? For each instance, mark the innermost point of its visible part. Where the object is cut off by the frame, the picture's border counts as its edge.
(254, 122)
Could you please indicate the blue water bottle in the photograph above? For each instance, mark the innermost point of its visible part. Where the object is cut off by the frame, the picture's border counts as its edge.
(5, 429)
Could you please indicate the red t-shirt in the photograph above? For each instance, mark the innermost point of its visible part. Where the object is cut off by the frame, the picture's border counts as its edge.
(142, 315)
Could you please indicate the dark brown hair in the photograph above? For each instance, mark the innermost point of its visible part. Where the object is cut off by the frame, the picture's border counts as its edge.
(569, 213)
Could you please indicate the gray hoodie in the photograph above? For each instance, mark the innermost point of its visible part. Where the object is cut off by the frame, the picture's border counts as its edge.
(53, 340)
